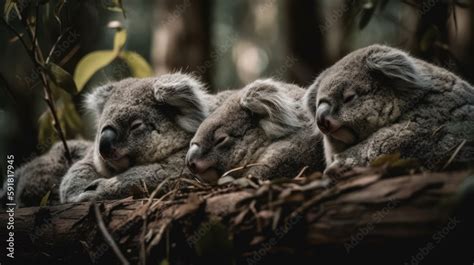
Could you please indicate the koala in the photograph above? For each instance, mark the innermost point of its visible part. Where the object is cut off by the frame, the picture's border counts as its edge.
(143, 130)
(43, 174)
(262, 124)
(379, 100)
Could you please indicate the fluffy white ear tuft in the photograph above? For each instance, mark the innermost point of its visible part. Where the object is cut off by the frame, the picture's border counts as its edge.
(187, 95)
(397, 66)
(95, 101)
(269, 99)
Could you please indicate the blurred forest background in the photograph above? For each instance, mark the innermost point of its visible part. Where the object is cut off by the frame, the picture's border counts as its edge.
(82, 44)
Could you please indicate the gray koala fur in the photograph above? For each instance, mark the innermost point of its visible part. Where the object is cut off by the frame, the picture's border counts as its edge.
(263, 123)
(152, 121)
(380, 100)
(43, 174)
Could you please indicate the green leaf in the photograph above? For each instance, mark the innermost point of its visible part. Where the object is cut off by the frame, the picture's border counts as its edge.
(137, 64)
(61, 78)
(119, 40)
(385, 159)
(9, 5)
(114, 5)
(90, 64)
(71, 118)
(45, 199)
(46, 132)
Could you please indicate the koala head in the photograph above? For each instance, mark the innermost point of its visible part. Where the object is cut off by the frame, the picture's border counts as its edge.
(363, 92)
(141, 121)
(238, 131)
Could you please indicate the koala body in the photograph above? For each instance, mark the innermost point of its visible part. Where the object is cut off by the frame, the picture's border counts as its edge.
(43, 174)
(143, 130)
(379, 100)
(262, 124)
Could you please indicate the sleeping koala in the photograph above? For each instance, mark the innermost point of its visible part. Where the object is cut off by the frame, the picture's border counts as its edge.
(379, 100)
(143, 131)
(43, 174)
(262, 124)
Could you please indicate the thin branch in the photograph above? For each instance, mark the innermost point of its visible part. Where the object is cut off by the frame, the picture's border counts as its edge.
(33, 53)
(39, 63)
(60, 38)
(242, 168)
(455, 153)
(108, 238)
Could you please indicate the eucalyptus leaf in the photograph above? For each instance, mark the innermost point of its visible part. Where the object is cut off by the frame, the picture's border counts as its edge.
(137, 64)
(9, 5)
(119, 40)
(385, 159)
(61, 78)
(90, 64)
(46, 132)
(45, 199)
(114, 5)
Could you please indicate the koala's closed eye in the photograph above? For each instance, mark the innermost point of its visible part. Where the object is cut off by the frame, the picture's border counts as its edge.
(136, 125)
(349, 96)
(221, 140)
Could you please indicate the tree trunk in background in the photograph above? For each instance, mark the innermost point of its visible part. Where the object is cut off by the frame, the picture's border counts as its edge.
(305, 40)
(181, 37)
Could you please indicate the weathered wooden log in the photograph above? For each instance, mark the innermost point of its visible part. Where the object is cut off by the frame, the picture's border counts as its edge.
(370, 217)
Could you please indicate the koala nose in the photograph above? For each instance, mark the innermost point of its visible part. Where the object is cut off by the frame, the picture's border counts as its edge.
(193, 154)
(322, 114)
(106, 142)
(195, 161)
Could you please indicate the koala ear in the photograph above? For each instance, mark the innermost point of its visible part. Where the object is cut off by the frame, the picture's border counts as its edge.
(187, 95)
(397, 66)
(95, 101)
(269, 99)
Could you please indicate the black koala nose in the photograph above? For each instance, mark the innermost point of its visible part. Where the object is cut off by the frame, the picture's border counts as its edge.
(106, 142)
(193, 153)
(322, 114)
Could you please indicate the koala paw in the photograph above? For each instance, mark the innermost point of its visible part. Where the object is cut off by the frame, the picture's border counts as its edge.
(98, 189)
(336, 170)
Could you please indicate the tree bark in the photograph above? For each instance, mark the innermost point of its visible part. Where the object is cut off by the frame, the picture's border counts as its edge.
(372, 217)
